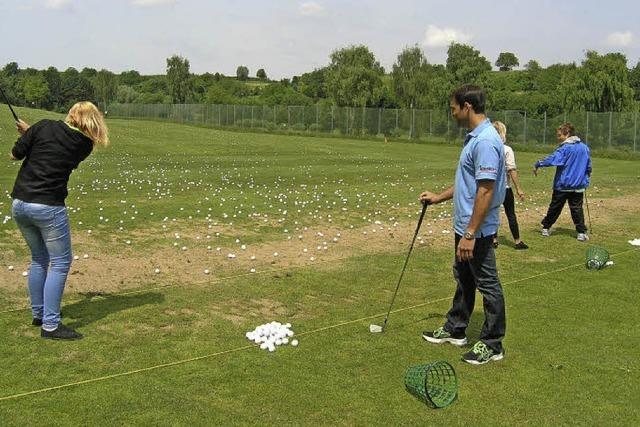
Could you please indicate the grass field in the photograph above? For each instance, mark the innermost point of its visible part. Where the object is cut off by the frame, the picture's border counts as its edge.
(168, 348)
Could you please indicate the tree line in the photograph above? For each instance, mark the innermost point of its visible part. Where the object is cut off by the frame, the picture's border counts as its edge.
(353, 77)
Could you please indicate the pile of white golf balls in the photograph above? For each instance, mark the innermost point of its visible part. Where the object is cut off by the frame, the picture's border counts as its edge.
(271, 335)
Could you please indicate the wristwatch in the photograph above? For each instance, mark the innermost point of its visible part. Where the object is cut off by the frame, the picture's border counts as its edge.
(469, 236)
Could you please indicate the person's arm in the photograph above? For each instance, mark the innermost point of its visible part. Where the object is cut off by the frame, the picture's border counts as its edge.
(557, 158)
(513, 173)
(484, 195)
(23, 145)
(432, 198)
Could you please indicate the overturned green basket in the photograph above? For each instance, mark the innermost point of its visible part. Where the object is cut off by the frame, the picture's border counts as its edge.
(434, 384)
(597, 257)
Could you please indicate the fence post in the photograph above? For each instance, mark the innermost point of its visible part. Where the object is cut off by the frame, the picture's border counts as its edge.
(302, 115)
(544, 132)
(234, 115)
(413, 122)
(288, 117)
(586, 136)
(610, 120)
(635, 129)
(317, 119)
(364, 117)
(525, 127)
(251, 116)
(379, 119)
(430, 123)
(448, 126)
(332, 118)
(396, 119)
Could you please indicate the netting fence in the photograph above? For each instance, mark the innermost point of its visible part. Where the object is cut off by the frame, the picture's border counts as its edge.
(600, 130)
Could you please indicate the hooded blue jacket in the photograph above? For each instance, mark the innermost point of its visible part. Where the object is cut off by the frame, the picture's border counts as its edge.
(573, 161)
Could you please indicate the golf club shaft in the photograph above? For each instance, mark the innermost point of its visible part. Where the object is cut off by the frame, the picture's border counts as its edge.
(15, 116)
(424, 209)
(586, 200)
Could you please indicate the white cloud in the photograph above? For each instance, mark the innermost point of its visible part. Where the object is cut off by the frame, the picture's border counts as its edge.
(145, 3)
(311, 8)
(56, 4)
(620, 38)
(438, 37)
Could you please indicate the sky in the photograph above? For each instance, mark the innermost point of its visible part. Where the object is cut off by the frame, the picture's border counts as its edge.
(288, 37)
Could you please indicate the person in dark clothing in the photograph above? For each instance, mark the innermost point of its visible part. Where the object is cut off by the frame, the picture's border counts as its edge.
(573, 172)
(50, 150)
(509, 200)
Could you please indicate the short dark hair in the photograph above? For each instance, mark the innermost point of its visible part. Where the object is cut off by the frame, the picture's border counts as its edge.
(472, 94)
(567, 129)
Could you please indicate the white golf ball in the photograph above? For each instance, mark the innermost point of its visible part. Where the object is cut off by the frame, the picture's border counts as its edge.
(76, 257)
(10, 268)
(206, 271)
(157, 271)
(25, 274)
(294, 343)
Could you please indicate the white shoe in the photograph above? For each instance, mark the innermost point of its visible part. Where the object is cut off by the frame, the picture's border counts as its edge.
(546, 232)
(582, 237)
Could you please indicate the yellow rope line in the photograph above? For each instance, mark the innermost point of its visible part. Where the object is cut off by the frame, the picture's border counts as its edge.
(193, 359)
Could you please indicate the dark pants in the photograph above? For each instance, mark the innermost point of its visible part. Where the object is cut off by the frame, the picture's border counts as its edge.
(558, 200)
(510, 211)
(481, 273)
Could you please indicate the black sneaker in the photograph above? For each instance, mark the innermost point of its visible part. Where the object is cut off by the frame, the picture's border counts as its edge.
(521, 245)
(440, 336)
(481, 354)
(61, 333)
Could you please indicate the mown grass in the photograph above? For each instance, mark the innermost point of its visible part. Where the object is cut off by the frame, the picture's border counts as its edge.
(571, 341)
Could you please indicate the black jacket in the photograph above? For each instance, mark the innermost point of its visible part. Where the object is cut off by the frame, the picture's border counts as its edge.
(51, 151)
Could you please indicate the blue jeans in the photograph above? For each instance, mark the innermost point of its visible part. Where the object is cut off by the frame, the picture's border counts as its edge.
(46, 230)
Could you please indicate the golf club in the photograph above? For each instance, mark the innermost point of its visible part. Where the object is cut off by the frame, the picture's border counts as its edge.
(586, 201)
(15, 116)
(377, 328)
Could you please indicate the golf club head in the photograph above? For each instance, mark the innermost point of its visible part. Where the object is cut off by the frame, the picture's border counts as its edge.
(375, 329)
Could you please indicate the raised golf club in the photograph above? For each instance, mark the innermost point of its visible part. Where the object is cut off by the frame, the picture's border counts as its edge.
(6, 100)
(377, 328)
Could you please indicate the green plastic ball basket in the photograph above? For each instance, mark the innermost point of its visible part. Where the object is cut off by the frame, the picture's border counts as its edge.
(435, 384)
(597, 257)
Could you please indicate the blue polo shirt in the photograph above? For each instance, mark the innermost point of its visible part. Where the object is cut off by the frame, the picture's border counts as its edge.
(482, 158)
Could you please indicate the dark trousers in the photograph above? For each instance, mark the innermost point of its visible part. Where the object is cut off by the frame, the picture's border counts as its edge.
(481, 273)
(510, 211)
(558, 200)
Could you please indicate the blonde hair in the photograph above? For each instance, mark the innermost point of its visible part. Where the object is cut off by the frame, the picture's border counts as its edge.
(89, 120)
(502, 130)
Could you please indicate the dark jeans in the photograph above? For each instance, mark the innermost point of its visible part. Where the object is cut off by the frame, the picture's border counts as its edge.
(510, 210)
(481, 273)
(558, 200)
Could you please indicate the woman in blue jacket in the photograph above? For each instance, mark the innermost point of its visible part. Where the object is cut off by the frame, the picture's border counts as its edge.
(573, 169)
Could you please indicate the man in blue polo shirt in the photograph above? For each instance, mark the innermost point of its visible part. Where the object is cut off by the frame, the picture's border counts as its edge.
(477, 195)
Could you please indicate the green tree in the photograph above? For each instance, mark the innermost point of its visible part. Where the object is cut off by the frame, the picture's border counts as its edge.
(105, 84)
(600, 84)
(11, 69)
(178, 79)
(54, 82)
(532, 65)
(126, 94)
(410, 77)
(88, 73)
(129, 78)
(313, 84)
(36, 90)
(634, 80)
(507, 61)
(74, 88)
(261, 74)
(354, 77)
(465, 64)
(242, 73)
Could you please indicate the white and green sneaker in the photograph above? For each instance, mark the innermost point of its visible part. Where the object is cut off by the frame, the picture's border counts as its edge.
(481, 354)
(440, 336)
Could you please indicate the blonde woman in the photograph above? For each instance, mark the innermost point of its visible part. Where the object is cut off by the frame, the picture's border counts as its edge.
(512, 176)
(50, 150)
